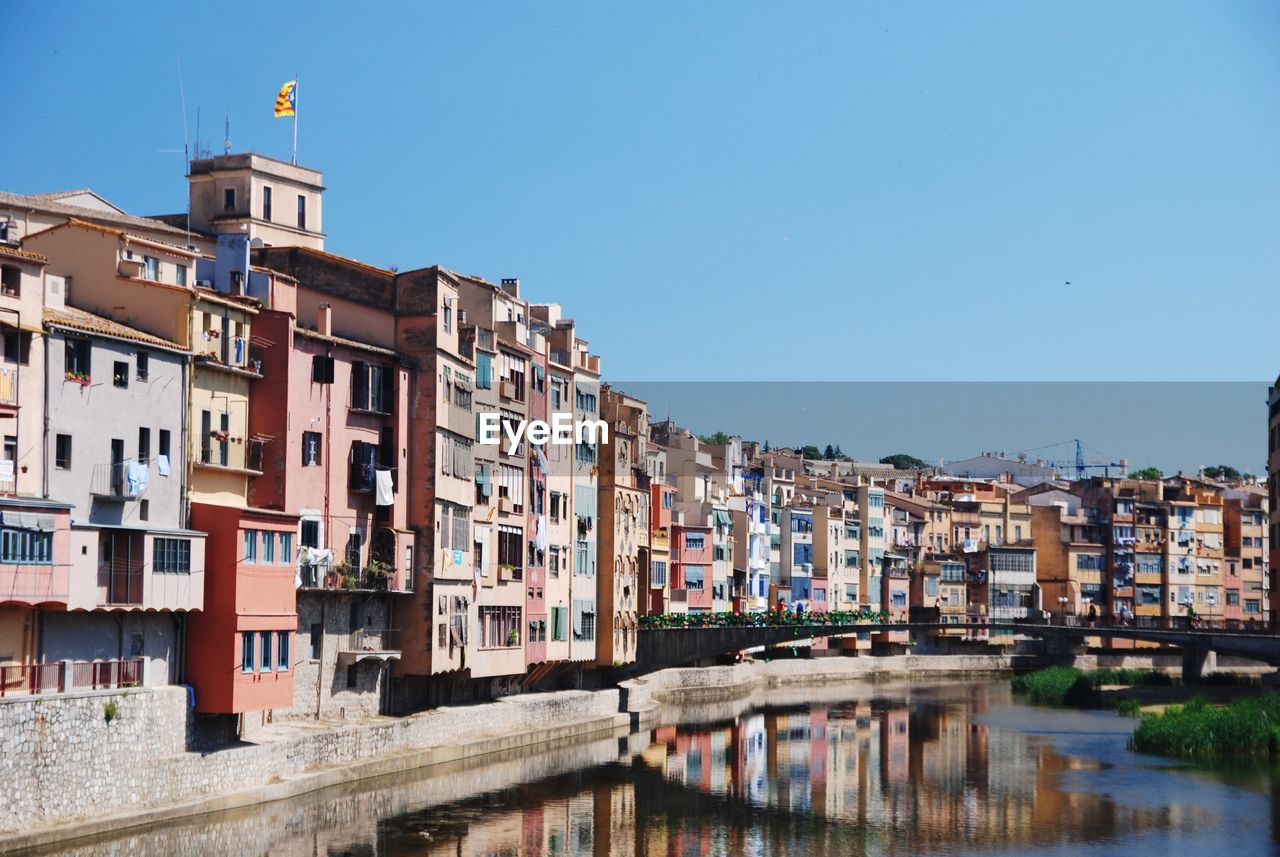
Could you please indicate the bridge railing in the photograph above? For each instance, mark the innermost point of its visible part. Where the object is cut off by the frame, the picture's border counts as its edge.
(1181, 624)
(881, 620)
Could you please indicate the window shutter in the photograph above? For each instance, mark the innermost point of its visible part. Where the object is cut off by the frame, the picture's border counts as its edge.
(388, 390)
(321, 369)
(359, 385)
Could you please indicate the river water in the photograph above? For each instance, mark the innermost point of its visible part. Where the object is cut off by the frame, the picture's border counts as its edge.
(862, 769)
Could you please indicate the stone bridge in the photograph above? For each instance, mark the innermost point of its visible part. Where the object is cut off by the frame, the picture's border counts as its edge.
(660, 648)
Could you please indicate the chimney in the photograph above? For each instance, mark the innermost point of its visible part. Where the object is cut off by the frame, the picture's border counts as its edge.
(326, 319)
(511, 285)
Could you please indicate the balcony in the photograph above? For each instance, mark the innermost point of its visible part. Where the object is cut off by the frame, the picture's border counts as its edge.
(9, 385)
(362, 477)
(120, 583)
(561, 357)
(122, 480)
(63, 676)
(510, 390)
(381, 644)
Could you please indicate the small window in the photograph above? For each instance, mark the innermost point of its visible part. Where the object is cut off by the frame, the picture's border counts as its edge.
(171, 556)
(152, 266)
(144, 445)
(164, 443)
(321, 369)
(265, 637)
(229, 199)
(142, 363)
(120, 374)
(250, 545)
(266, 203)
(286, 548)
(268, 548)
(62, 453)
(181, 272)
(302, 212)
(246, 652)
(144, 510)
(310, 537)
(311, 449)
(77, 358)
(282, 657)
(10, 281)
(353, 677)
(317, 641)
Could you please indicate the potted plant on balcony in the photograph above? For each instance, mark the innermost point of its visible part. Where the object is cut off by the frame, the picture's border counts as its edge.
(346, 574)
(81, 378)
(376, 575)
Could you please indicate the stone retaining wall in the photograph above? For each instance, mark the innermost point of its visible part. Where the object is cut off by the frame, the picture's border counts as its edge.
(63, 762)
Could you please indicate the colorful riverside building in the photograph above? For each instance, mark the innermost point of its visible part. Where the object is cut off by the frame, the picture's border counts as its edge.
(624, 526)
(239, 649)
(498, 320)
(661, 506)
(1273, 499)
(35, 578)
(332, 412)
(573, 389)
(115, 450)
(427, 450)
(1247, 551)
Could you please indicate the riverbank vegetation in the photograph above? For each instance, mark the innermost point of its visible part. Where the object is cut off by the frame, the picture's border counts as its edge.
(1075, 687)
(1249, 726)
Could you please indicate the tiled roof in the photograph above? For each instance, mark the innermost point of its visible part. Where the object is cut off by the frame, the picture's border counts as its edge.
(338, 340)
(24, 255)
(46, 202)
(77, 223)
(78, 319)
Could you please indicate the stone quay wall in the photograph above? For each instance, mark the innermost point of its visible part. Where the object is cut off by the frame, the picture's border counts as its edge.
(67, 770)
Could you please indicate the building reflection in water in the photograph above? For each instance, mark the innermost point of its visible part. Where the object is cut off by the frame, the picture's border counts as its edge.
(902, 773)
(901, 770)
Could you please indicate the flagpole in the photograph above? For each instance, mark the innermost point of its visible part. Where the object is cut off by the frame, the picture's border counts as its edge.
(295, 120)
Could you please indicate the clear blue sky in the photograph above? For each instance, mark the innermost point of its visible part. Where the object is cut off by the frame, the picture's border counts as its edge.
(738, 191)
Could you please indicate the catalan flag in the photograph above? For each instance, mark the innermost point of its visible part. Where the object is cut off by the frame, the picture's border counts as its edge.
(287, 100)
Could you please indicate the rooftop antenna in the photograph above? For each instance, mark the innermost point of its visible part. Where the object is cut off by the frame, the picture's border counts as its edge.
(186, 143)
(226, 140)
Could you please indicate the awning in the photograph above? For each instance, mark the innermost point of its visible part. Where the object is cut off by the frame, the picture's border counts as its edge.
(41, 521)
(722, 518)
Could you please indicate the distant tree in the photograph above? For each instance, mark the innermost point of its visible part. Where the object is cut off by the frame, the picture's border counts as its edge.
(765, 448)
(1147, 473)
(1223, 473)
(810, 453)
(840, 455)
(714, 439)
(829, 453)
(902, 461)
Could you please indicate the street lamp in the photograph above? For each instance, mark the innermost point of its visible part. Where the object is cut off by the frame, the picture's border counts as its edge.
(1062, 600)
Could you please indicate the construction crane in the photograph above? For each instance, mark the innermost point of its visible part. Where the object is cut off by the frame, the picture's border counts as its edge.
(1080, 466)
